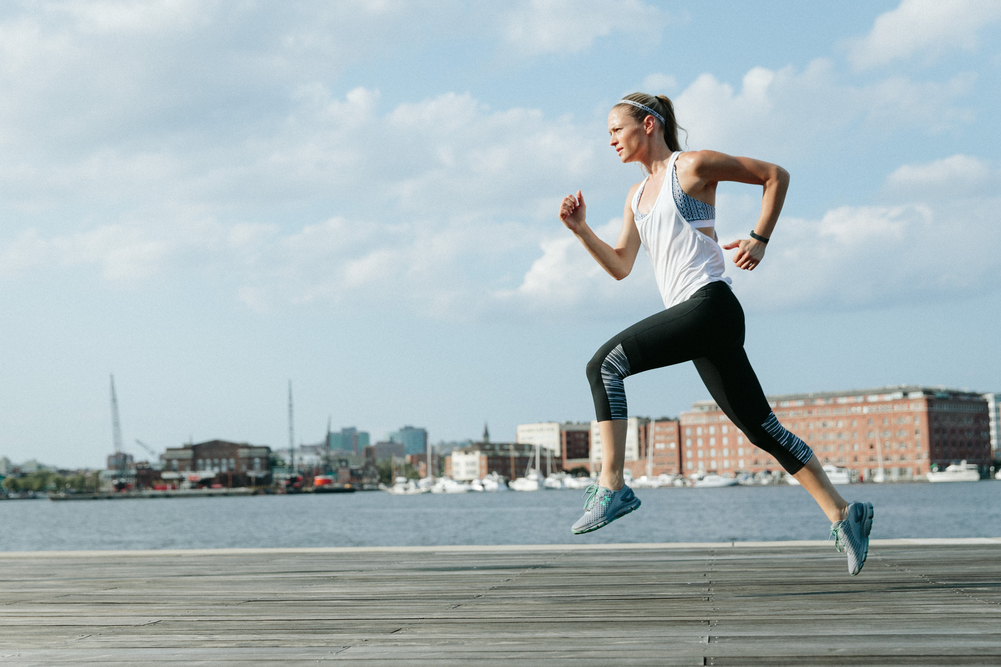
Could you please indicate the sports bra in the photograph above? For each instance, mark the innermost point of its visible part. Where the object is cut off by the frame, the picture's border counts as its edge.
(697, 213)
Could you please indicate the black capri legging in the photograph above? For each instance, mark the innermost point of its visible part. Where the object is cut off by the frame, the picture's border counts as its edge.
(707, 329)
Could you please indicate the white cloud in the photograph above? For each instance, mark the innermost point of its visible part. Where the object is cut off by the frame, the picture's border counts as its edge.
(123, 253)
(787, 112)
(939, 245)
(957, 174)
(571, 26)
(925, 27)
(567, 279)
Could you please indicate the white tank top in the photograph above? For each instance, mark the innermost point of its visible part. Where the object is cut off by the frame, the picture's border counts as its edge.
(684, 260)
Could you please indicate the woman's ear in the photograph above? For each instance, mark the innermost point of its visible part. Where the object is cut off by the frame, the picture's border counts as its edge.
(649, 125)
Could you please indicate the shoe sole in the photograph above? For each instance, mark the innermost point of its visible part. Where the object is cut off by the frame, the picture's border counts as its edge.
(866, 523)
(621, 514)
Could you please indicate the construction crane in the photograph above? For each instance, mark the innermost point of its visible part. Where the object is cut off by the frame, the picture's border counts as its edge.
(146, 447)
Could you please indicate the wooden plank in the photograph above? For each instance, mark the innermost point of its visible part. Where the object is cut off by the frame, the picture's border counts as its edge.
(776, 603)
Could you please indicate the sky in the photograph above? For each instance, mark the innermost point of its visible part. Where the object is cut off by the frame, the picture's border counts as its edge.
(209, 199)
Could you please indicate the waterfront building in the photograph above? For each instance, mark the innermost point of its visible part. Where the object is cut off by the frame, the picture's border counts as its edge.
(348, 439)
(5, 465)
(414, 440)
(994, 423)
(383, 450)
(903, 430)
(663, 455)
(637, 431)
(507, 459)
(120, 461)
(570, 441)
(238, 463)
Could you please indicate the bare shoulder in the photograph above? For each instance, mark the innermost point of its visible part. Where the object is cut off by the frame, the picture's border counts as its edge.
(713, 166)
(699, 161)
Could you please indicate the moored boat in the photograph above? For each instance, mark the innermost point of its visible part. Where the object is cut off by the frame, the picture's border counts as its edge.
(956, 472)
(713, 480)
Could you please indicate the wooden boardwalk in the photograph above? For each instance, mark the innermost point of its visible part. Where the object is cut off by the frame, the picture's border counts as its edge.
(933, 602)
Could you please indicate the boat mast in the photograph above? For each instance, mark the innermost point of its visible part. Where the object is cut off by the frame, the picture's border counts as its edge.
(291, 431)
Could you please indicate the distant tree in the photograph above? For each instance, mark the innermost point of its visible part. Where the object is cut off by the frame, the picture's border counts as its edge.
(385, 468)
(579, 471)
(12, 484)
(77, 482)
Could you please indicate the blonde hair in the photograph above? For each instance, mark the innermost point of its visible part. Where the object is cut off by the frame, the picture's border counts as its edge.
(660, 104)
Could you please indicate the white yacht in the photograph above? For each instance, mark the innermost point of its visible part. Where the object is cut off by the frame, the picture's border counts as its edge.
(532, 481)
(645, 482)
(449, 485)
(712, 480)
(957, 472)
(555, 481)
(579, 483)
(493, 483)
(838, 476)
(405, 487)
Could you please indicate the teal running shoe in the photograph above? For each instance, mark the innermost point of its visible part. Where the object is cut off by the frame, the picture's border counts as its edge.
(852, 535)
(603, 506)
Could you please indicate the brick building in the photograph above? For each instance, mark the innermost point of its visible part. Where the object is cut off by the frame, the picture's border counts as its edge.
(652, 447)
(575, 448)
(508, 459)
(664, 453)
(569, 441)
(234, 463)
(906, 428)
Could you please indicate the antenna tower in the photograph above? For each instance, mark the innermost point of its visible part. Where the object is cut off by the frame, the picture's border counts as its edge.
(116, 426)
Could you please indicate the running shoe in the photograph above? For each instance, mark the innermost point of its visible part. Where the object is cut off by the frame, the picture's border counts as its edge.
(603, 506)
(852, 535)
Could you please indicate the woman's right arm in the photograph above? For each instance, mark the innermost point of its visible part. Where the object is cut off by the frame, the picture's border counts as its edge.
(617, 261)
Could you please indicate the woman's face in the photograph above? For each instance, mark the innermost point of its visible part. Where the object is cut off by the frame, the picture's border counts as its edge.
(625, 134)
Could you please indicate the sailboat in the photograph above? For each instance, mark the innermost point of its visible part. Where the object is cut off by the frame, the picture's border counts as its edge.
(533, 479)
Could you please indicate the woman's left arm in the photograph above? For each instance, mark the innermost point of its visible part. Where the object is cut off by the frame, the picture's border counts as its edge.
(712, 167)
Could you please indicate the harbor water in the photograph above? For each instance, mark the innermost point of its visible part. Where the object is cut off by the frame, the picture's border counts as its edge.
(544, 517)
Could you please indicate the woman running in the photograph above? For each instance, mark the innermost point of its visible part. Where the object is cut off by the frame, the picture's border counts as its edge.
(671, 213)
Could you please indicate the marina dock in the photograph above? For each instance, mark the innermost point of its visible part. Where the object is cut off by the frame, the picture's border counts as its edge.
(931, 602)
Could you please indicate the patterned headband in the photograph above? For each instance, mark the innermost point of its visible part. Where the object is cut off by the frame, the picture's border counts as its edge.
(645, 108)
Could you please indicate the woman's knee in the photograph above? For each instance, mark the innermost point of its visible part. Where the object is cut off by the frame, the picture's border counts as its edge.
(593, 368)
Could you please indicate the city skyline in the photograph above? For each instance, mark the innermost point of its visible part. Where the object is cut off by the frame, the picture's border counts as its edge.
(207, 200)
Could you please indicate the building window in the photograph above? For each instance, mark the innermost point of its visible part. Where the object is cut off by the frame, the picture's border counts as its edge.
(700, 453)
(232, 464)
(726, 429)
(257, 464)
(712, 441)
